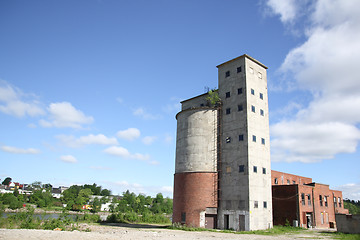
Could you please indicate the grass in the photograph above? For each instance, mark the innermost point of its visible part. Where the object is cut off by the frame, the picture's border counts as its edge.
(342, 236)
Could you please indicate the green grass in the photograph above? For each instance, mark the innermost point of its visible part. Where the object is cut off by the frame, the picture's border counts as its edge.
(342, 236)
(276, 230)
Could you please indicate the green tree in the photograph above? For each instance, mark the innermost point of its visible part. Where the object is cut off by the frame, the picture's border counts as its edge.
(213, 97)
(105, 192)
(7, 181)
(96, 205)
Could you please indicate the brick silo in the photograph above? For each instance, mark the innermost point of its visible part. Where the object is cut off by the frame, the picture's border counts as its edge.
(195, 179)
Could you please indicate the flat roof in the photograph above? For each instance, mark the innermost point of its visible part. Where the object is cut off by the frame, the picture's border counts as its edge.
(201, 95)
(243, 56)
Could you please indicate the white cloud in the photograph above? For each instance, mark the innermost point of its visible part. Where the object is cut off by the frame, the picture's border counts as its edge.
(68, 159)
(325, 66)
(16, 103)
(286, 9)
(99, 139)
(64, 114)
(140, 112)
(148, 140)
(129, 134)
(350, 191)
(124, 153)
(19, 150)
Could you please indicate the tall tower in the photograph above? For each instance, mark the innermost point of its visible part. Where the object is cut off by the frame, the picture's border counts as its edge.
(222, 170)
(245, 201)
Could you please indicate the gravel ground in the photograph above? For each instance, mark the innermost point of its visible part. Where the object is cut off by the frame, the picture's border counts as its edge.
(131, 232)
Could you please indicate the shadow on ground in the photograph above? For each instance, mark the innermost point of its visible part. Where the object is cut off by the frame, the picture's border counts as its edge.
(130, 225)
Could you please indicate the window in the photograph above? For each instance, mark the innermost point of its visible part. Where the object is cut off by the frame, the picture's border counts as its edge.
(251, 70)
(263, 141)
(238, 69)
(183, 217)
(288, 182)
(241, 137)
(227, 74)
(309, 199)
(303, 199)
(255, 169)
(252, 108)
(228, 139)
(259, 75)
(261, 112)
(252, 92)
(228, 111)
(240, 90)
(294, 182)
(326, 201)
(254, 138)
(320, 199)
(256, 204)
(201, 105)
(261, 96)
(264, 170)
(276, 181)
(335, 203)
(339, 200)
(241, 168)
(322, 218)
(265, 204)
(240, 107)
(227, 95)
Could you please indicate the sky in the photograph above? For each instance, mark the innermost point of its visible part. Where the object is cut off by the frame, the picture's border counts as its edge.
(89, 89)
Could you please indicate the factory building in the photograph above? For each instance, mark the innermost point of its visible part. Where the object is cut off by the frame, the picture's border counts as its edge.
(222, 171)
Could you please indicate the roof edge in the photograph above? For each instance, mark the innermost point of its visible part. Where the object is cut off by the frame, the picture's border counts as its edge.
(244, 56)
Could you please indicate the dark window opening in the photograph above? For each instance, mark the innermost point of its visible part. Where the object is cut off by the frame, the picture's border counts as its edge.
(238, 69)
(252, 108)
(261, 96)
(228, 139)
(276, 181)
(263, 141)
(303, 199)
(265, 204)
(254, 138)
(241, 137)
(255, 169)
(320, 199)
(261, 112)
(227, 95)
(240, 90)
(256, 204)
(240, 107)
(264, 170)
(309, 199)
(183, 217)
(227, 74)
(252, 92)
(241, 168)
(228, 111)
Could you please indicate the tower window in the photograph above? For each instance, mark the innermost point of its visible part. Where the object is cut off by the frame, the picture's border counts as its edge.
(240, 107)
(240, 90)
(252, 108)
(256, 204)
(228, 111)
(254, 138)
(276, 181)
(252, 92)
(265, 204)
(227, 95)
(259, 75)
(261, 112)
(264, 170)
(241, 168)
(263, 141)
(228, 139)
(238, 69)
(251, 70)
(255, 169)
(241, 137)
(261, 96)
(227, 74)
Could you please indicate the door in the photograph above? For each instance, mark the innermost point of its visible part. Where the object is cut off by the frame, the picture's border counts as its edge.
(226, 222)
(210, 221)
(242, 222)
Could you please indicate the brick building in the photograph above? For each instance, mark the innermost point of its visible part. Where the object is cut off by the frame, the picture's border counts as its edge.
(297, 198)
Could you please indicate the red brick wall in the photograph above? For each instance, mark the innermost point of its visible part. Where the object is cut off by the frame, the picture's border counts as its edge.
(325, 212)
(284, 204)
(193, 193)
(305, 207)
(283, 177)
(339, 208)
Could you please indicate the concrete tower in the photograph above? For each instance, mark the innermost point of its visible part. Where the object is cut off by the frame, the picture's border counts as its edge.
(245, 201)
(222, 171)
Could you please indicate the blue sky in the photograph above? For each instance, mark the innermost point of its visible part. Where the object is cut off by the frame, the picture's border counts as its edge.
(89, 89)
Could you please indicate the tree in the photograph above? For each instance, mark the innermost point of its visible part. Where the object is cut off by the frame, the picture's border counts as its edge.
(105, 192)
(7, 181)
(213, 97)
(96, 205)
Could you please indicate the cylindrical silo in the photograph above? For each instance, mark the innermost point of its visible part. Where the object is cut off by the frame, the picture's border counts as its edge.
(195, 180)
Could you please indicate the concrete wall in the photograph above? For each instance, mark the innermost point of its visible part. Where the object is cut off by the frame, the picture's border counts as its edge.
(239, 191)
(196, 140)
(348, 223)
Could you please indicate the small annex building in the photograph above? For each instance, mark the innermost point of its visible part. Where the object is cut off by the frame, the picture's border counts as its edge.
(299, 201)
